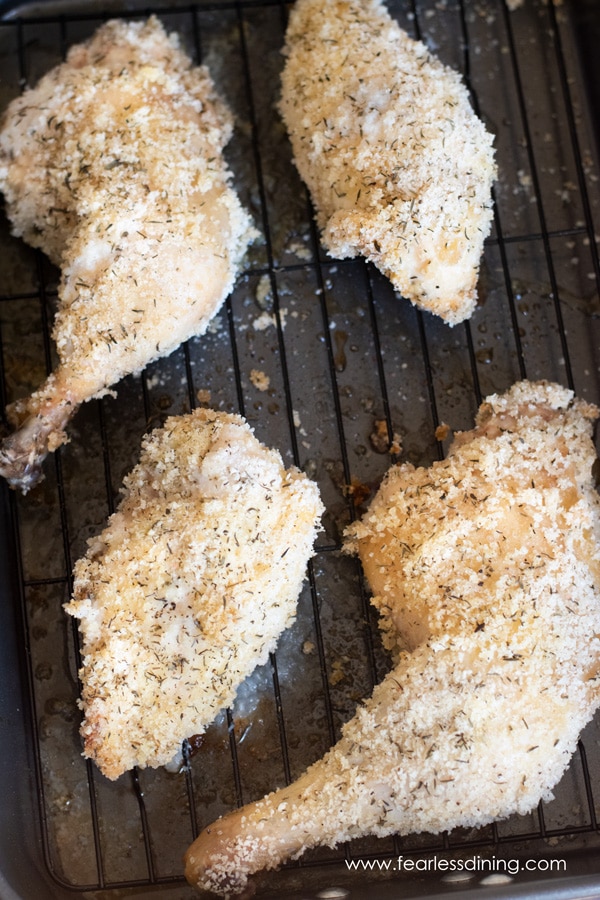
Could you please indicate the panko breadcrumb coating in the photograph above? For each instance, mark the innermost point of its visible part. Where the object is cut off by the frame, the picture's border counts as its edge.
(486, 570)
(399, 168)
(113, 166)
(189, 586)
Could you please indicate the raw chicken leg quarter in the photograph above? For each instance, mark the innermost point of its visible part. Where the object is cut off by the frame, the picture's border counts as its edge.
(486, 570)
(188, 587)
(398, 166)
(113, 166)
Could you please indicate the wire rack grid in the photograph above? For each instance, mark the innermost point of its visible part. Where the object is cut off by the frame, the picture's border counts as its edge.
(322, 358)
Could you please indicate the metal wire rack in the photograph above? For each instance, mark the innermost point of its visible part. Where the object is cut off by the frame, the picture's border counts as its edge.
(345, 361)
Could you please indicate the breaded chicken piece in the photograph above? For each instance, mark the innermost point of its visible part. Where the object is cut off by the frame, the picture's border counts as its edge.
(188, 587)
(113, 166)
(398, 166)
(486, 570)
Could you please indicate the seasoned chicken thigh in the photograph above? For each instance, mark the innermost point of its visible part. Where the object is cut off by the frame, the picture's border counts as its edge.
(113, 166)
(486, 570)
(398, 166)
(189, 586)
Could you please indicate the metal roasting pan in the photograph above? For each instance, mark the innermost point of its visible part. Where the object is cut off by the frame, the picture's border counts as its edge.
(342, 353)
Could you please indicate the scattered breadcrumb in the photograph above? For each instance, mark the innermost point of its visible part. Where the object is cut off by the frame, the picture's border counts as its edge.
(337, 672)
(264, 321)
(300, 249)
(358, 490)
(203, 396)
(264, 294)
(259, 379)
(517, 4)
(396, 445)
(380, 439)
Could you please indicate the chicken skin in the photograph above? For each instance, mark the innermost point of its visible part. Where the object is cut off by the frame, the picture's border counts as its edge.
(113, 166)
(486, 570)
(398, 166)
(189, 586)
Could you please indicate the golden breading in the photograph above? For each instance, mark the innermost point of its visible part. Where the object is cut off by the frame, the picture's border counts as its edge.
(188, 587)
(486, 570)
(113, 166)
(398, 166)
